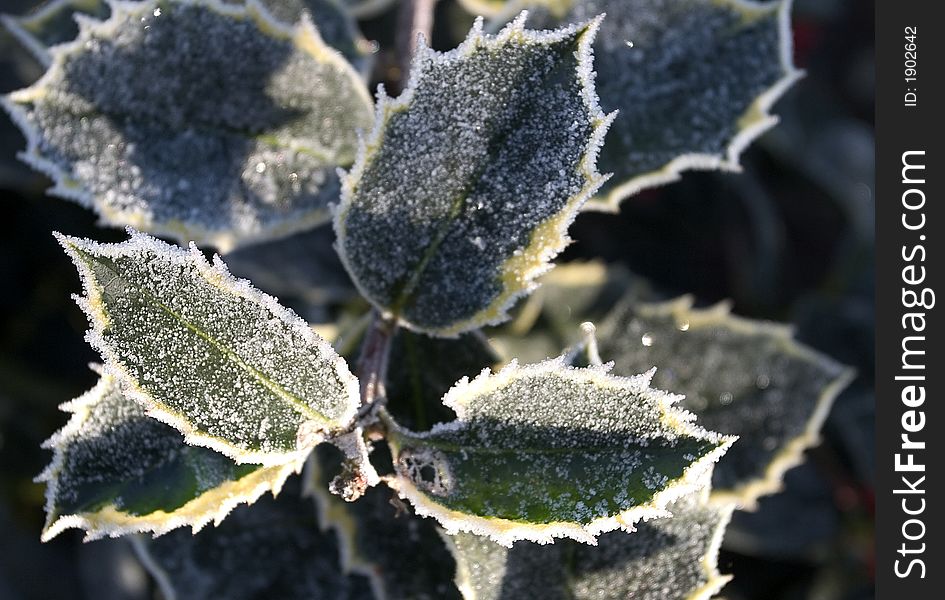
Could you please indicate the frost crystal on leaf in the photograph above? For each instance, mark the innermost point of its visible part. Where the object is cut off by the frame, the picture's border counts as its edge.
(208, 353)
(740, 377)
(693, 81)
(196, 120)
(665, 559)
(465, 188)
(547, 451)
(117, 471)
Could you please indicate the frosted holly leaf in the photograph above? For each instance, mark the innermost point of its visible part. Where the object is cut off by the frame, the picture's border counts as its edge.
(117, 471)
(741, 377)
(422, 369)
(272, 549)
(52, 23)
(379, 540)
(548, 451)
(209, 354)
(464, 190)
(664, 559)
(127, 121)
(694, 81)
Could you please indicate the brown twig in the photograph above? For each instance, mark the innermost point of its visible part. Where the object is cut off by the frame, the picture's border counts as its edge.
(372, 364)
(415, 17)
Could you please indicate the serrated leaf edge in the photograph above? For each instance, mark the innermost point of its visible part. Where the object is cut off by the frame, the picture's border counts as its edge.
(505, 531)
(211, 506)
(756, 120)
(548, 238)
(218, 275)
(715, 580)
(746, 496)
(304, 36)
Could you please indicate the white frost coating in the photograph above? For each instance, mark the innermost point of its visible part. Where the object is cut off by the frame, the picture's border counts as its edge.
(213, 505)
(217, 275)
(758, 118)
(273, 204)
(504, 531)
(778, 391)
(519, 271)
(612, 44)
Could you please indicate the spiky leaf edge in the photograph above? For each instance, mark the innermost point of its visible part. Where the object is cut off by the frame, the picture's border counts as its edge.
(218, 275)
(791, 454)
(213, 505)
(550, 237)
(303, 36)
(756, 120)
(715, 580)
(505, 531)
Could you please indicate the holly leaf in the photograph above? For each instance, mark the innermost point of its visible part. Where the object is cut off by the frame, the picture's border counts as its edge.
(209, 354)
(196, 120)
(741, 377)
(548, 451)
(693, 81)
(665, 559)
(117, 471)
(273, 549)
(465, 188)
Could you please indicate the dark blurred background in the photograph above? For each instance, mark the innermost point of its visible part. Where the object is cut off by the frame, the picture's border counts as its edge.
(790, 239)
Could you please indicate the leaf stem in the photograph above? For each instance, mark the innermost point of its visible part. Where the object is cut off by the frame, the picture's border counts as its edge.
(374, 359)
(415, 17)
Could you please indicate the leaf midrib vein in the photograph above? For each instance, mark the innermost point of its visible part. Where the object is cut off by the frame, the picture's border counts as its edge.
(296, 403)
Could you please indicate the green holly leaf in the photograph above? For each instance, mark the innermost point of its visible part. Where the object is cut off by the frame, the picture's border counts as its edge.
(693, 81)
(741, 377)
(464, 190)
(117, 471)
(127, 121)
(273, 549)
(547, 451)
(209, 354)
(664, 559)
